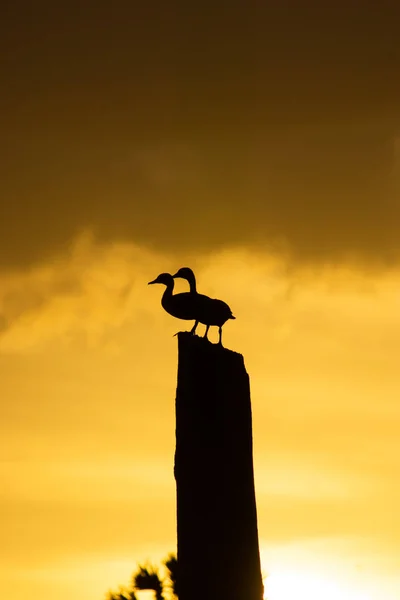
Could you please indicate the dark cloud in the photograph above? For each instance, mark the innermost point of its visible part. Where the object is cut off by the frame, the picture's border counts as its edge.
(188, 128)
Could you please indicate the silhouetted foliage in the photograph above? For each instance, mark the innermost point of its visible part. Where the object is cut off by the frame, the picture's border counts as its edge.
(147, 578)
(171, 564)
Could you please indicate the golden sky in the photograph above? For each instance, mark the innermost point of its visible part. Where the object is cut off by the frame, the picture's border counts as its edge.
(88, 364)
(260, 147)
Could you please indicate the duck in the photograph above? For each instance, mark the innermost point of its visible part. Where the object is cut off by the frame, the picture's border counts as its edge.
(181, 305)
(209, 311)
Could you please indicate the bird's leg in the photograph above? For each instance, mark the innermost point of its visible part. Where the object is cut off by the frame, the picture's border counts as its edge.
(194, 327)
(220, 336)
(205, 335)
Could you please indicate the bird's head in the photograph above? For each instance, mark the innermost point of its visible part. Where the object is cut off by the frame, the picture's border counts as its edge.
(184, 273)
(165, 278)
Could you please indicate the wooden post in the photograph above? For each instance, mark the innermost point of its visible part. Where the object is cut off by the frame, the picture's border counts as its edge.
(218, 551)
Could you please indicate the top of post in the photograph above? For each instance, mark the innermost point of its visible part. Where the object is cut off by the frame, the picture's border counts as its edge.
(206, 350)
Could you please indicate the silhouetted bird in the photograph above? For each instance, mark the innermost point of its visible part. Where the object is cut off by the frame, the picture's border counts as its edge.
(181, 306)
(208, 311)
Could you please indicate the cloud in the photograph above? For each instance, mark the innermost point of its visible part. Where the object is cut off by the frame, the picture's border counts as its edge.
(325, 193)
(274, 134)
(83, 292)
(95, 287)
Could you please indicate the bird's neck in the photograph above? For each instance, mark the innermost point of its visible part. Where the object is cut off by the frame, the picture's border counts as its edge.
(192, 284)
(167, 292)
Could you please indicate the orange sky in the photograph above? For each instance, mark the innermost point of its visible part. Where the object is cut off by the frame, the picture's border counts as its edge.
(88, 369)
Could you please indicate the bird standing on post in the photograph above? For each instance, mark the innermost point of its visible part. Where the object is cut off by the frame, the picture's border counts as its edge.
(180, 306)
(209, 311)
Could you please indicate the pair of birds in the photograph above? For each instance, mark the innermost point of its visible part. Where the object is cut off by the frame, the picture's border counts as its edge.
(192, 305)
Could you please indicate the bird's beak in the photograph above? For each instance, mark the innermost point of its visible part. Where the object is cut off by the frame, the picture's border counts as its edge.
(154, 281)
(175, 275)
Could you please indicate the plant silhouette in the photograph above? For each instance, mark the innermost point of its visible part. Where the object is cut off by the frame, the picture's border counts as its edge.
(171, 564)
(147, 577)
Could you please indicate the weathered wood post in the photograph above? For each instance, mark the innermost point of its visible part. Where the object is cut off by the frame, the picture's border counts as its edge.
(218, 550)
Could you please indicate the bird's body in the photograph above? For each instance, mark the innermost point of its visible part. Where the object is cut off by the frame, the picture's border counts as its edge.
(180, 306)
(211, 311)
